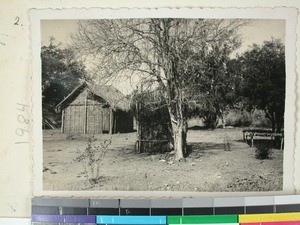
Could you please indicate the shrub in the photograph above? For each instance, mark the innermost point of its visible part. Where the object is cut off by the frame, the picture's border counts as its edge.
(238, 119)
(92, 158)
(246, 119)
(263, 153)
(259, 119)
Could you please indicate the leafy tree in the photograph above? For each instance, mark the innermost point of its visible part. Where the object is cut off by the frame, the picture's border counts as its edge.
(217, 86)
(162, 51)
(264, 75)
(61, 72)
(213, 83)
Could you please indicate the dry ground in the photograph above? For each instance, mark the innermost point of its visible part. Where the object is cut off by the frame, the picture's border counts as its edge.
(208, 168)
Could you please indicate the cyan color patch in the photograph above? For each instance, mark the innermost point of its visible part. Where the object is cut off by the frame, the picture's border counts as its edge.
(131, 220)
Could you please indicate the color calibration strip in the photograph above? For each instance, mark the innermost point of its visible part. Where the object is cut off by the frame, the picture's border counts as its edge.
(275, 210)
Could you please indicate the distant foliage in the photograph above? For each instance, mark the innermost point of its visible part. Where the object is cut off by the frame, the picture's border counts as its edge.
(263, 83)
(243, 118)
(259, 119)
(239, 119)
(61, 72)
(218, 87)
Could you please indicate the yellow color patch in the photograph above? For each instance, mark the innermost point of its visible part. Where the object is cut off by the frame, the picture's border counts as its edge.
(270, 217)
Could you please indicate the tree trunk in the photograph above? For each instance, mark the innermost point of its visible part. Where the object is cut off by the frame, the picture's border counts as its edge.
(179, 130)
(179, 138)
(169, 61)
(223, 120)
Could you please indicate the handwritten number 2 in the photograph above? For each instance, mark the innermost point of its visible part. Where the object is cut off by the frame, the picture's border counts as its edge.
(17, 19)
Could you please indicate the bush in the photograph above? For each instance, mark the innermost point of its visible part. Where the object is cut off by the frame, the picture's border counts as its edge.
(238, 119)
(259, 119)
(263, 149)
(246, 119)
(263, 153)
(92, 159)
(210, 121)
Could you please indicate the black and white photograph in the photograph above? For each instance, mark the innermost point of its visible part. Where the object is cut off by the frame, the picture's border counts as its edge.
(163, 104)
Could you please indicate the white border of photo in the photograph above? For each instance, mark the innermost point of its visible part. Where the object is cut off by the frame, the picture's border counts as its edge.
(288, 14)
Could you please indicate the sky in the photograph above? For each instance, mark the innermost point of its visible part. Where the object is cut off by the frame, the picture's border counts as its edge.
(257, 32)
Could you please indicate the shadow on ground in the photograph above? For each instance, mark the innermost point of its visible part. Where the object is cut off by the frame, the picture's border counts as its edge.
(200, 148)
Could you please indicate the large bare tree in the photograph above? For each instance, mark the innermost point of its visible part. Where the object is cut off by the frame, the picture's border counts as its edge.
(163, 51)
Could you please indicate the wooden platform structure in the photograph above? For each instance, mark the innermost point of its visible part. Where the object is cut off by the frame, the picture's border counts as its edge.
(250, 134)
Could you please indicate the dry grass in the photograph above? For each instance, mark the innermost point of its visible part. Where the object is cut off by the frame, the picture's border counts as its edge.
(208, 168)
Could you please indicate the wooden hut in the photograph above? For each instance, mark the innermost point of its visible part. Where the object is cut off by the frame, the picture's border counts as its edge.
(95, 109)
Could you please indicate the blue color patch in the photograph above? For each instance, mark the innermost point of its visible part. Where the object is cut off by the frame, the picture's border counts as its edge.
(136, 220)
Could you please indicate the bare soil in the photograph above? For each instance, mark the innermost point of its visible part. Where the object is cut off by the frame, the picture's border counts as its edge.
(207, 168)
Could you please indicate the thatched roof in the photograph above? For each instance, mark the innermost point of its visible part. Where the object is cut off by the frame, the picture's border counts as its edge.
(113, 96)
(110, 94)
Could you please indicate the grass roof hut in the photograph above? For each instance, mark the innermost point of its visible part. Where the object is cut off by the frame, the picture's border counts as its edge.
(95, 109)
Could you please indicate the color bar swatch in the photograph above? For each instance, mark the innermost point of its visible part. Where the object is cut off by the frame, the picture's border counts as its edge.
(267, 210)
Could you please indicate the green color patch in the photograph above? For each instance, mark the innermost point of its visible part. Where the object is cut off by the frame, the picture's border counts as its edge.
(202, 219)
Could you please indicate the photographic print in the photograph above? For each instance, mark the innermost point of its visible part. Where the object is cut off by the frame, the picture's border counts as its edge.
(164, 103)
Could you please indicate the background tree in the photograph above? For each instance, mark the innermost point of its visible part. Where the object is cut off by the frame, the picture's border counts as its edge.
(264, 76)
(61, 72)
(217, 86)
(159, 50)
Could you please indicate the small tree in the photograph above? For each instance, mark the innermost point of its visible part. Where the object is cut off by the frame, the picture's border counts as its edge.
(264, 80)
(92, 158)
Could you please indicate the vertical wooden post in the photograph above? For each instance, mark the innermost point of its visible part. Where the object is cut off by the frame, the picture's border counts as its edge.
(115, 124)
(100, 119)
(138, 127)
(85, 114)
(281, 142)
(70, 119)
(62, 121)
(111, 120)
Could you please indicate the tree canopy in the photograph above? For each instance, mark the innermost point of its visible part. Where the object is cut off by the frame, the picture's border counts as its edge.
(61, 72)
(263, 70)
(174, 54)
(216, 89)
